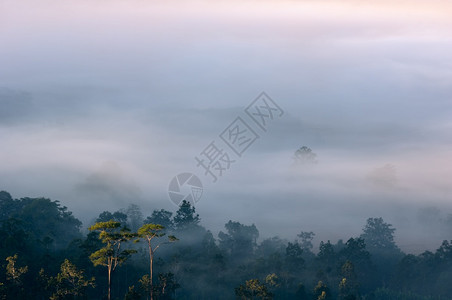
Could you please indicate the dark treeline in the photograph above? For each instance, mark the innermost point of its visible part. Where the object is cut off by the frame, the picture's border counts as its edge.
(44, 255)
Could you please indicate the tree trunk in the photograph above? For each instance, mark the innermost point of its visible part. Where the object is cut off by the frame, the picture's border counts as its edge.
(109, 282)
(151, 262)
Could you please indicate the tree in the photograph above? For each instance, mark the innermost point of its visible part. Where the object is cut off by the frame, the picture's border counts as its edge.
(166, 286)
(240, 240)
(321, 291)
(378, 235)
(111, 255)
(117, 216)
(132, 294)
(294, 259)
(186, 217)
(14, 237)
(57, 229)
(326, 253)
(151, 232)
(355, 251)
(8, 206)
(270, 246)
(134, 216)
(14, 277)
(304, 155)
(379, 238)
(162, 217)
(306, 240)
(70, 282)
(253, 289)
(348, 287)
(14, 274)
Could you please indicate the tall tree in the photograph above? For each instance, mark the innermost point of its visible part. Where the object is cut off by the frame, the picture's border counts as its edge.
(378, 235)
(111, 255)
(186, 217)
(135, 217)
(152, 232)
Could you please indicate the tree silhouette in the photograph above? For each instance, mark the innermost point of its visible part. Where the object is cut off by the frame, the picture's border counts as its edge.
(111, 255)
(151, 232)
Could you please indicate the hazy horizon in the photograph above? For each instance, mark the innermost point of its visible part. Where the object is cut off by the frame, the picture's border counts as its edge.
(103, 103)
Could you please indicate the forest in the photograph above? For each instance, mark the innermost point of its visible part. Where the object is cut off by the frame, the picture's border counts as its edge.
(47, 253)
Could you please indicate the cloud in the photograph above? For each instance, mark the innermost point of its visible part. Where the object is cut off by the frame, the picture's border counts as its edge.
(147, 86)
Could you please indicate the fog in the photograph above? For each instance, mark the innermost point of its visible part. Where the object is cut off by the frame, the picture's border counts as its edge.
(103, 103)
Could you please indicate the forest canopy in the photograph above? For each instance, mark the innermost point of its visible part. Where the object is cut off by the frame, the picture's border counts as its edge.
(170, 255)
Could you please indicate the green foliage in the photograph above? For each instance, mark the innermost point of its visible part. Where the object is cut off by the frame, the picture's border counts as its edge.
(186, 217)
(162, 217)
(15, 284)
(166, 286)
(111, 255)
(326, 255)
(132, 294)
(117, 216)
(379, 236)
(70, 282)
(150, 232)
(14, 274)
(294, 257)
(35, 224)
(240, 240)
(321, 291)
(200, 266)
(253, 289)
(145, 282)
(272, 281)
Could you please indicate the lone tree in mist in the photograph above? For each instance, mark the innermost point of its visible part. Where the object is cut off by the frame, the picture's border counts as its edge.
(151, 232)
(304, 155)
(378, 235)
(111, 255)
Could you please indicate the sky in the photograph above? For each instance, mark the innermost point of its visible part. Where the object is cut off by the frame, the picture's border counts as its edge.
(102, 103)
